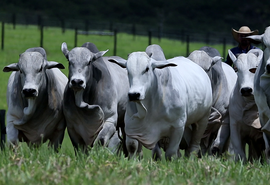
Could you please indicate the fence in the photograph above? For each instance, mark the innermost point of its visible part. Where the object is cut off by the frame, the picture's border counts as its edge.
(83, 26)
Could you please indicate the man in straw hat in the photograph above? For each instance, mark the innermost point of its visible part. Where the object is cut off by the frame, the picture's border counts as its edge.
(244, 44)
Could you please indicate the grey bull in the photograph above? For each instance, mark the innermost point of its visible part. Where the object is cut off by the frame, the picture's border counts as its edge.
(95, 96)
(163, 100)
(34, 98)
(223, 79)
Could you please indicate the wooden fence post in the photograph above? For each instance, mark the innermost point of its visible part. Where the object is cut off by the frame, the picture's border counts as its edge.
(86, 23)
(3, 35)
(39, 21)
(63, 25)
(159, 32)
(41, 35)
(115, 42)
(187, 45)
(149, 37)
(224, 48)
(14, 20)
(207, 38)
(76, 35)
(2, 128)
(133, 30)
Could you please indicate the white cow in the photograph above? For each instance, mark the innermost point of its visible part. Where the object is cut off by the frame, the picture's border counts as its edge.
(262, 90)
(163, 100)
(223, 79)
(244, 121)
(133, 146)
(34, 97)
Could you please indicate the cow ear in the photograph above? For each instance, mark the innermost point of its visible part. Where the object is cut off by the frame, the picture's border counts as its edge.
(162, 64)
(215, 60)
(253, 70)
(258, 53)
(121, 62)
(65, 49)
(99, 54)
(11, 67)
(53, 64)
(232, 56)
(149, 54)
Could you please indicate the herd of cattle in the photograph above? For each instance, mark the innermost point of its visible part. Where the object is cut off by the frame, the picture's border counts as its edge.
(198, 104)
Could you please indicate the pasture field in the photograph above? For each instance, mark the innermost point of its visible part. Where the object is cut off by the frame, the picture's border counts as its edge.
(24, 165)
(44, 166)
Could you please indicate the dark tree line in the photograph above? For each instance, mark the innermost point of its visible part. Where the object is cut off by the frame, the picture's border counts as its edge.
(197, 15)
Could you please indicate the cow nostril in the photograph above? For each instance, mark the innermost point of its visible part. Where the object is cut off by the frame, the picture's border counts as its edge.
(29, 92)
(268, 68)
(246, 91)
(77, 82)
(133, 96)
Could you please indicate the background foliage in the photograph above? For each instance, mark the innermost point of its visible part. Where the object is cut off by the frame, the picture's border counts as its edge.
(194, 15)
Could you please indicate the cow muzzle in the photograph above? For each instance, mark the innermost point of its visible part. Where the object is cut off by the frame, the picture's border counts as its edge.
(29, 93)
(246, 91)
(134, 96)
(77, 84)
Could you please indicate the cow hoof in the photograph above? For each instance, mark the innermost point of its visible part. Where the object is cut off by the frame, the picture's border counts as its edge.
(101, 141)
(215, 151)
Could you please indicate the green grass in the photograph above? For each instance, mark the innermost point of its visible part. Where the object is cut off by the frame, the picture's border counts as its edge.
(25, 165)
(44, 166)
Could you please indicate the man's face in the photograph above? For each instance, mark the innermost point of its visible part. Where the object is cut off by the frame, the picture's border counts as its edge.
(242, 39)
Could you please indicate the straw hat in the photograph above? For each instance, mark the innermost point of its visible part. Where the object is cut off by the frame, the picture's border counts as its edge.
(243, 30)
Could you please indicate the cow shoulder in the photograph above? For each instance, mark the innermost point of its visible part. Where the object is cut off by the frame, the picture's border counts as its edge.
(56, 82)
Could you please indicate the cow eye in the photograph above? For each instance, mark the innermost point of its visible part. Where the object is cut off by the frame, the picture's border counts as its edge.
(40, 70)
(89, 63)
(146, 70)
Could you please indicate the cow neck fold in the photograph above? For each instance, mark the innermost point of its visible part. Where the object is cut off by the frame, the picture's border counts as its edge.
(217, 83)
(31, 107)
(99, 74)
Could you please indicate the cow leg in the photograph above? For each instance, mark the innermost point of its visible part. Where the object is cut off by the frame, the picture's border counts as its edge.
(106, 133)
(124, 136)
(12, 134)
(133, 147)
(156, 153)
(256, 149)
(114, 143)
(176, 135)
(57, 138)
(198, 130)
(220, 144)
(266, 138)
(236, 141)
(77, 142)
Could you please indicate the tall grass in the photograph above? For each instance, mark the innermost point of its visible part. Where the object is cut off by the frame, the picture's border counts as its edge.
(24, 165)
(43, 166)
